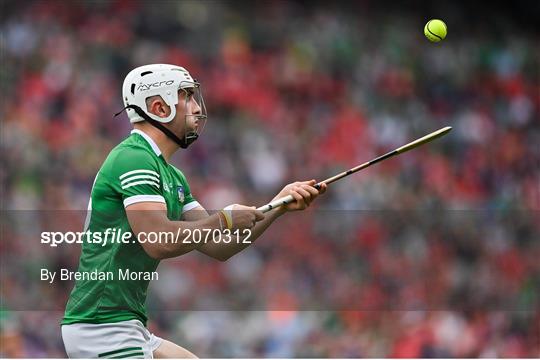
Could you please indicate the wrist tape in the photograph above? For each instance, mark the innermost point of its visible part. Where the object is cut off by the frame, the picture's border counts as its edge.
(227, 214)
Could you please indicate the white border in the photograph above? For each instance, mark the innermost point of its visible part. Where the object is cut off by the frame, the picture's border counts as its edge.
(190, 206)
(142, 198)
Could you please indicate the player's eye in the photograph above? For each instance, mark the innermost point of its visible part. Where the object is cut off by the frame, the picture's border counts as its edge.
(189, 93)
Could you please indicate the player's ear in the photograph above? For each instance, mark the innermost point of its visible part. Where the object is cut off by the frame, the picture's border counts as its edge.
(159, 107)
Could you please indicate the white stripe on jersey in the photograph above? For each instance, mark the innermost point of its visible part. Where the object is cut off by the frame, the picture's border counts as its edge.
(139, 183)
(190, 206)
(138, 172)
(134, 177)
(143, 198)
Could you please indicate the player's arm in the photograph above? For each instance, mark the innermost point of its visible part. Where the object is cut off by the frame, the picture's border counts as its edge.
(151, 217)
(303, 192)
(222, 250)
(134, 176)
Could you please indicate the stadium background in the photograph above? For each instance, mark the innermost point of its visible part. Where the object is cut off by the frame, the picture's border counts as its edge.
(297, 90)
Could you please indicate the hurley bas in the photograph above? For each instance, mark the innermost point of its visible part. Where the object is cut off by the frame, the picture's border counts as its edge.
(121, 274)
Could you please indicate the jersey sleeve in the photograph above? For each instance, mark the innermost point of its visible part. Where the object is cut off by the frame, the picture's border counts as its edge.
(135, 175)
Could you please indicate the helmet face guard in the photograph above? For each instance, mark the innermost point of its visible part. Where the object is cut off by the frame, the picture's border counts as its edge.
(166, 81)
(193, 123)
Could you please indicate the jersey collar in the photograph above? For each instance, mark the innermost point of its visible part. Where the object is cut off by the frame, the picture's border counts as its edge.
(148, 140)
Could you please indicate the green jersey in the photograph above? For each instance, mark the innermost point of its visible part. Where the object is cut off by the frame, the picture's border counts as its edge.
(135, 171)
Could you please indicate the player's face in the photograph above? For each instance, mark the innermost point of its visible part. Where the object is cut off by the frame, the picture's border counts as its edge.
(187, 109)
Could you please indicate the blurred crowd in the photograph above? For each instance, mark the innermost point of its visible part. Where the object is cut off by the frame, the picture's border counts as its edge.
(434, 253)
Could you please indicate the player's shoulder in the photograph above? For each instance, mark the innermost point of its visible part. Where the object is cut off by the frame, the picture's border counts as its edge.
(129, 156)
(178, 172)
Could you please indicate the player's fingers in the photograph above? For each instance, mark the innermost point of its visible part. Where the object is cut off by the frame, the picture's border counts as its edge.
(305, 194)
(302, 190)
(321, 187)
(252, 220)
(312, 190)
(299, 199)
(258, 214)
(307, 182)
(313, 193)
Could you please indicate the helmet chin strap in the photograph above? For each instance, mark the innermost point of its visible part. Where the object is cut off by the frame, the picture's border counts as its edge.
(189, 138)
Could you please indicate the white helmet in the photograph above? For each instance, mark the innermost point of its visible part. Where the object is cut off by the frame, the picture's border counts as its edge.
(164, 80)
(155, 79)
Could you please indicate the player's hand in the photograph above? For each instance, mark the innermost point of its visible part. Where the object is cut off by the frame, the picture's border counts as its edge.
(244, 217)
(303, 193)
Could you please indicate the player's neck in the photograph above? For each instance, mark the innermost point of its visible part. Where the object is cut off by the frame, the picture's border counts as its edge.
(165, 145)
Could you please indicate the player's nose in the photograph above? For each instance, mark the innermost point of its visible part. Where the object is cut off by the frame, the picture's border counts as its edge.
(196, 108)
